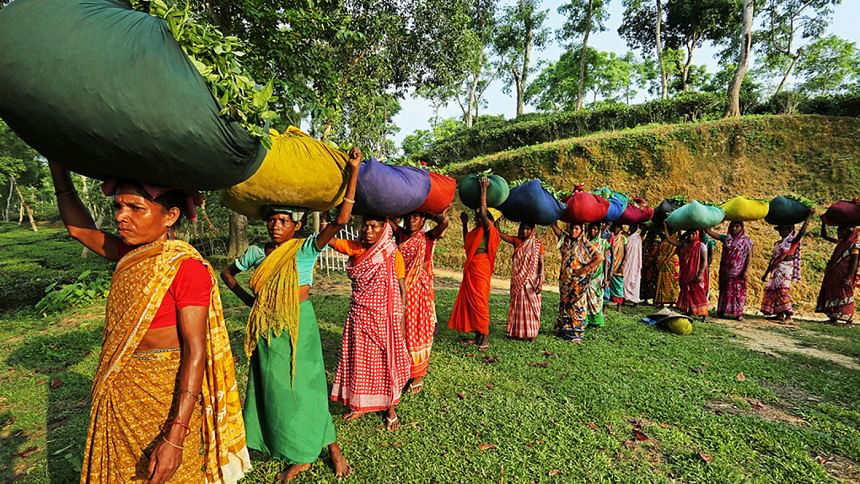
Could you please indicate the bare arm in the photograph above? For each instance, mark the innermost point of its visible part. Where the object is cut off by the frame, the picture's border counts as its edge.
(464, 219)
(442, 224)
(803, 227)
(556, 229)
(485, 219)
(77, 218)
(713, 233)
(703, 263)
(669, 237)
(402, 284)
(166, 458)
(228, 275)
(345, 212)
(825, 235)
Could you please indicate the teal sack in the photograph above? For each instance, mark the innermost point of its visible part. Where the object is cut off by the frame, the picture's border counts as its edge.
(108, 92)
(786, 211)
(695, 216)
(469, 190)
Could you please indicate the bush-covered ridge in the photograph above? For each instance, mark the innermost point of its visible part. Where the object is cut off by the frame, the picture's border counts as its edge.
(538, 128)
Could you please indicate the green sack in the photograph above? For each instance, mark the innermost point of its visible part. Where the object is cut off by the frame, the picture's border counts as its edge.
(107, 92)
(695, 216)
(786, 211)
(469, 190)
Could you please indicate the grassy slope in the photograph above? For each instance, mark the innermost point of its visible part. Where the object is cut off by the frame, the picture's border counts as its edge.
(759, 156)
(573, 420)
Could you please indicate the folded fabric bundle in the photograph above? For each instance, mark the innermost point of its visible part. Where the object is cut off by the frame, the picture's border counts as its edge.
(637, 212)
(469, 190)
(108, 92)
(531, 202)
(298, 171)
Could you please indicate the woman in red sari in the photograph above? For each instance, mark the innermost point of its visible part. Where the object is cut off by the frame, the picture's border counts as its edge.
(526, 283)
(836, 298)
(416, 244)
(471, 312)
(374, 364)
(693, 299)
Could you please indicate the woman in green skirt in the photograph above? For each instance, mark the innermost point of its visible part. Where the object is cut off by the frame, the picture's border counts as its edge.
(286, 406)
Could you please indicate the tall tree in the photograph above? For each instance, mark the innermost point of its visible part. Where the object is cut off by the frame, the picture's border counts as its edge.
(520, 30)
(691, 22)
(787, 27)
(746, 40)
(830, 65)
(583, 18)
(642, 28)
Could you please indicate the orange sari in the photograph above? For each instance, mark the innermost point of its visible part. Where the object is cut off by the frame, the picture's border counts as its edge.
(471, 312)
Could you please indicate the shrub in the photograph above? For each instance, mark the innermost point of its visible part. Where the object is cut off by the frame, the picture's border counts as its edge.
(836, 105)
(89, 286)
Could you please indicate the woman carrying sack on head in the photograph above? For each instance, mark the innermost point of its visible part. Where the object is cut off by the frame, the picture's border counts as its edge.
(579, 259)
(836, 298)
(165, 405)
(286, 409)
(526, 283)
(783, 269)
(734, 263)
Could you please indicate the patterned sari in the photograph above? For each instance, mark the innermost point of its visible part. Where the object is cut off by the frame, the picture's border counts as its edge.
(526, 287)
(733, 275)
(133, 391)
(836, 298)
(668, 267)
(777, 291)
(420, 306)
(374, 363)
(572, 307)
(693, 298)
(616, 280)
(594, 294)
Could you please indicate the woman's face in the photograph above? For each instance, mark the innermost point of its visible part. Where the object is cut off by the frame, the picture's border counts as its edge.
(575, 231)
(784, 230)
(140, 220)
(593, 231)
(370, 232)
(843, 232)
(415, 222)
(525, 231)
(281, 227)
(735, 228)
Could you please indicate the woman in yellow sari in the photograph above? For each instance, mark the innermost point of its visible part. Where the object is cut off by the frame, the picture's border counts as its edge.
(165, 405)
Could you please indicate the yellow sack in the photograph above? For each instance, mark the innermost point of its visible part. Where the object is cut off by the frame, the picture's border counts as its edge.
(678, 325)
(745, 209)
(298, 171)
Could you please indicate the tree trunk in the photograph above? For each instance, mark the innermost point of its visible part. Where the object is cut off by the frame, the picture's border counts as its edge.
(238, 243)
(582, 55)
(664, 77)
(524, 72)
(734, 93)
(26, 206)
(473, 99)
(782, 83)
(685, 71)
(8, 201)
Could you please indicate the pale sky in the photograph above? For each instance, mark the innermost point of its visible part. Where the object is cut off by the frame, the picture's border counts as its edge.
(416, 112)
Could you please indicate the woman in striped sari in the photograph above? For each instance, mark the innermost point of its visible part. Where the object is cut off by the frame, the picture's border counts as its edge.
(579, 258)
(165, 405)
(783, 269)
(416, 244)
(526, 283)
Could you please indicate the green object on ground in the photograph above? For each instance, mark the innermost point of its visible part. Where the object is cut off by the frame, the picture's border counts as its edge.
(469, 190)
(108, 92)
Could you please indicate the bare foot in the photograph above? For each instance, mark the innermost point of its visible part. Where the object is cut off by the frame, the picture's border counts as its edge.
(352, 415)
(292, 472)
(341, 466)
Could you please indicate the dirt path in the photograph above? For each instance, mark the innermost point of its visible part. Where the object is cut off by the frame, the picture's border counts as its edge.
(757, 335)
(497, 285)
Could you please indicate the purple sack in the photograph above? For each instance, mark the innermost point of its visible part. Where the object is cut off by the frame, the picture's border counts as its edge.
(390, 190)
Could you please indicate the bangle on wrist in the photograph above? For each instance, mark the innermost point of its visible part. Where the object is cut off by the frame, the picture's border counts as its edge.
(348, 200)
(171, 443)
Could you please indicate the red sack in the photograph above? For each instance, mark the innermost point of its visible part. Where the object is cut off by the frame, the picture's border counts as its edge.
(585, 207)
(845, 213)
(442, 190)
(637, 212)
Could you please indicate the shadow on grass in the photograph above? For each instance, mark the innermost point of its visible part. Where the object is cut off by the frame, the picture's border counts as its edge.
(68, 393)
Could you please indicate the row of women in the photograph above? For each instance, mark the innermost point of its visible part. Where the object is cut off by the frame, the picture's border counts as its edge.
(165, 400)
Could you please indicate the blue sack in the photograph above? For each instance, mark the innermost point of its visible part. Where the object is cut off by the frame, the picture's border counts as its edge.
(617, 203)
(530, 202)
(390, 190)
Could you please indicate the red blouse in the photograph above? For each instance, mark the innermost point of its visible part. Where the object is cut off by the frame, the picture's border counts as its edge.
(190, 287)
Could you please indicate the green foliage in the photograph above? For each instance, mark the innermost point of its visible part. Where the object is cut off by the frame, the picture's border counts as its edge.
(833, 105)
(218, 58)
(541, 128)
(829, 65)
(88, 287)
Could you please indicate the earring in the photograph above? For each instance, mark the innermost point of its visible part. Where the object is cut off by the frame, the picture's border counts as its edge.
(171, 235)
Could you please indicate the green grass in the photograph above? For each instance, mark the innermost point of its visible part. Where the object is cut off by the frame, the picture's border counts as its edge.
(576, 419)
